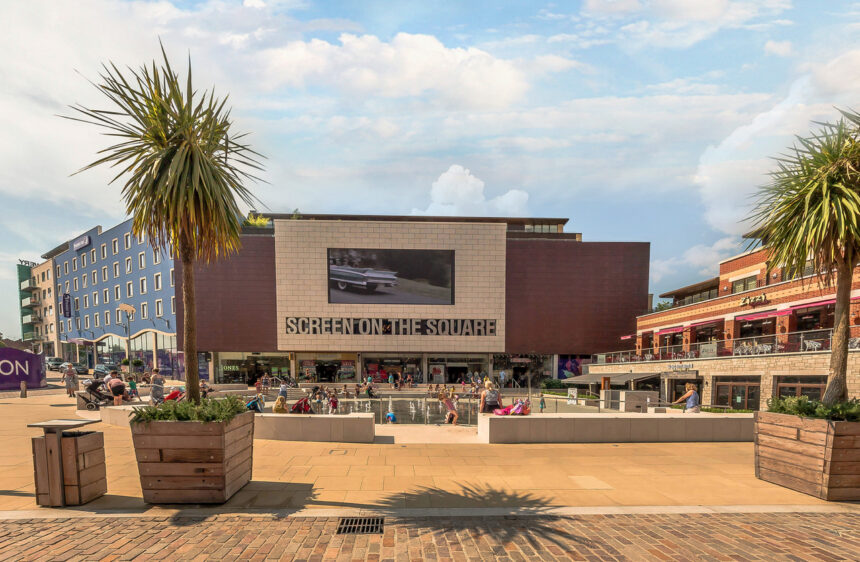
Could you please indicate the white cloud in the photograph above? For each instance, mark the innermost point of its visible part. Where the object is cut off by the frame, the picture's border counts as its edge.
(730, 171)
(778, 48)
(407, 66)
(611, 6)
(701, 258)
(458, 193)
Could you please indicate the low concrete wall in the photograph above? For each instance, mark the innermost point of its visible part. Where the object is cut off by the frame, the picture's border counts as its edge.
(615, 428)
(351, 428)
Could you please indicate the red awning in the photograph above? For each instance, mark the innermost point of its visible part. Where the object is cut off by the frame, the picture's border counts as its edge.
(761, 315)
(674, 330)
(626, 337)
(704, 323)
(813, 304)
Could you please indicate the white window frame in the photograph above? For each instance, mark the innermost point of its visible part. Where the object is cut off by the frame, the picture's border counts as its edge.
(129, 289)
(97, 320)
(59, 271)
(156, 256)
(86, 322)
(156, 282)
(126, 240)
(114, 246)
(95, 299)
(141, 261)
(77, 304)
(144, 311)
(86, 301)
(107, 318)
(74, 264)
(104, 251)
(83, 260)
(159, 308)
(140, 238)
(93, 256)
(104, 273)
(172, 278)
(117, 293)
(172, 305)
(67, 286)
(84, 281)
(94, 277)
(65, 268)
(143, 285)
(75, 283)
(106, 296)
(116, 269)
(118, 317)
(128, 264)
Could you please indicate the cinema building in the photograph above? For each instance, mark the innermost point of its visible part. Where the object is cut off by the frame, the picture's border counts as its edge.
(338, 298)
(742, 337)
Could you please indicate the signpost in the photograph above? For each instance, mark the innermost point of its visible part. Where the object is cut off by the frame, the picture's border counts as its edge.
(572, 395)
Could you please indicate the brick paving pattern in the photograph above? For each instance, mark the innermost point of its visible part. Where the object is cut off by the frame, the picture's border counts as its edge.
(771, 536)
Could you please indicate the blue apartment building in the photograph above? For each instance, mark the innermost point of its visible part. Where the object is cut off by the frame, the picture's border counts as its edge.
(115, 298)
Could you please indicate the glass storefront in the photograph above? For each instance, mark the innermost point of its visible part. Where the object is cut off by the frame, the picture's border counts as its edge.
(327, 367)
(449, 369)
(246, 368)
(140, 350)
(168, 357)
(111, 351)
(811, 386)
(380, 366)
(738, 393)
(515, 369)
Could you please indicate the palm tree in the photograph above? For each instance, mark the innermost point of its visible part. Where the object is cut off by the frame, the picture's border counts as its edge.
(810, 213)
(183, 172)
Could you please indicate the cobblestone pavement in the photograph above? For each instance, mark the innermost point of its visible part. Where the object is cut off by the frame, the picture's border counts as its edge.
(733, 536)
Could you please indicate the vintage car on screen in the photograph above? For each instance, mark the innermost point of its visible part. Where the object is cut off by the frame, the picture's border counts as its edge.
(344, 277)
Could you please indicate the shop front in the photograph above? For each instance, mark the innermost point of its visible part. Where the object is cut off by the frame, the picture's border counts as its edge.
(738, 393)
(379, 366)
(515, 370)
(246, 368)
(331, 368)
(454, 368)
(674, 383)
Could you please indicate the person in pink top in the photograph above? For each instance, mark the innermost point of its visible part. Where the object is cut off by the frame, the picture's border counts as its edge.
(452, 416)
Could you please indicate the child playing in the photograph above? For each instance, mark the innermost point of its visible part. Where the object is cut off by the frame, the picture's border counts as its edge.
(332, 402)
(542, 403)
(132, 389)
(390, 417)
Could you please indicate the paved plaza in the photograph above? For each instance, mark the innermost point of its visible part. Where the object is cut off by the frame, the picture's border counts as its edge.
(456, 500)
(793, 536)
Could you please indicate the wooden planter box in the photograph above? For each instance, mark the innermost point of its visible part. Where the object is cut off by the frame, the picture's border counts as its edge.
(84, 477)
(817, 457)
(194, 462)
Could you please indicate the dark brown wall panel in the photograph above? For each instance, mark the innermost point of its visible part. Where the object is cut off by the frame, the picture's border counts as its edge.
(573, 297)
(236, 304)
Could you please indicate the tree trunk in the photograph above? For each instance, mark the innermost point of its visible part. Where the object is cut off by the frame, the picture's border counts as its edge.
(837, 390)
(189, 328)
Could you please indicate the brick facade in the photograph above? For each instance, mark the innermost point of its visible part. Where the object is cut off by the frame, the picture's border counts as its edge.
(765, 366)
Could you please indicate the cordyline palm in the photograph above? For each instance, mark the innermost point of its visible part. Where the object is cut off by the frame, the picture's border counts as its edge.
(182, 168)
(810, 212)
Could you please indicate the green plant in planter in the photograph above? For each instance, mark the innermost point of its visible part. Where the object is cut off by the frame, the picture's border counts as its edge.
(208, 410)
(137, 363)
(124, 362)
(805, 407)
(552, 383)
(258, 221)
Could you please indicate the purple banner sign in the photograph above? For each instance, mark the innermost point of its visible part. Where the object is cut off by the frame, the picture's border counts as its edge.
(17, 366)
(67, 305)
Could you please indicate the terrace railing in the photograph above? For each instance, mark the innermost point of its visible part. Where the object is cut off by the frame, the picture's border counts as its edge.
(793, 342)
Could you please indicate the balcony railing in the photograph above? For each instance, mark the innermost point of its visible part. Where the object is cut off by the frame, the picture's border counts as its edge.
(31, 336)
(760, 283)
(29, 302)
(31, 319)
(28, 285)
(794, 342)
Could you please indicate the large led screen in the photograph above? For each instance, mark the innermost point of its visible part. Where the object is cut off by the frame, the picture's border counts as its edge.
(360, 276)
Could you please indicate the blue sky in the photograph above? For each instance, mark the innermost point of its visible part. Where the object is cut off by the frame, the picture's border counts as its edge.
(639, 119)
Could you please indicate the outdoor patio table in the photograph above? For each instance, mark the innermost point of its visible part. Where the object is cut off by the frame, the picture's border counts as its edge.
(53, 439)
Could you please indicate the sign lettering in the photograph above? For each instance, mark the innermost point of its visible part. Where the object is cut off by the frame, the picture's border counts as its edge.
(81, 242)
(390, 326)
(754, 300)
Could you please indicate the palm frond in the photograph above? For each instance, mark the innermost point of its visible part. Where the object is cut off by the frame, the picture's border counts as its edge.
(183, 168)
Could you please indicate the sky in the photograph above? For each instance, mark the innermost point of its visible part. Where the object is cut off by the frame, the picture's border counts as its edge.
(640, 120)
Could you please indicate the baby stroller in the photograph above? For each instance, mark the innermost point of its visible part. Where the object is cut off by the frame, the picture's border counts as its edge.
(93, 397)
(302, 406)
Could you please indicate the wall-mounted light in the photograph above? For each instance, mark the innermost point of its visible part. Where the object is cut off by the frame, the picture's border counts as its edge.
(725, 287)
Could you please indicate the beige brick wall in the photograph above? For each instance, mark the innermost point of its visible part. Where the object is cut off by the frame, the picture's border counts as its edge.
(302, 282)
(765, 366)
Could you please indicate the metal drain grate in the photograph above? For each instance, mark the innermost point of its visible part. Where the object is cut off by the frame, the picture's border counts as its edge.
(360, 525)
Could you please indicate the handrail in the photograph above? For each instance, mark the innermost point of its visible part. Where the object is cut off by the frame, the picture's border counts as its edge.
(792, 342)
